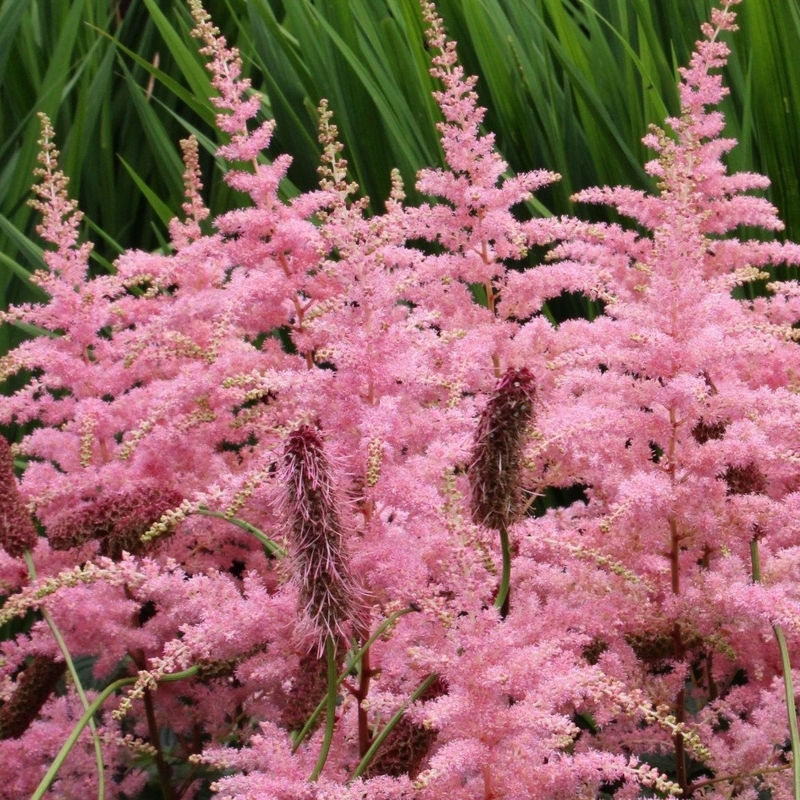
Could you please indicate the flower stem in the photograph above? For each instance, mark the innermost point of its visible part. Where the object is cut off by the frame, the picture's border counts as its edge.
(87, 718)
(349, 666)
(503, 601)
(163, 769)
(330, 721)
(274, 549)
(62, 646)
(365, 673)
(380, 738)
(788, 686)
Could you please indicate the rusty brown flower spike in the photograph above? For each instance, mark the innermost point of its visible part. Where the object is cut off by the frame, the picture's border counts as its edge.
(327, 592)
(495, 465)
(117, 520)
(34, 686)
(17, 532)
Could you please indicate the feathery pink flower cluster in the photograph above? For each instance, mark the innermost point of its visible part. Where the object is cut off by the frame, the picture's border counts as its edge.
(304, 380)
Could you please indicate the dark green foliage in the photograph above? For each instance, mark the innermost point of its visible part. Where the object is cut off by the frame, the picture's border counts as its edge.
(569, 85)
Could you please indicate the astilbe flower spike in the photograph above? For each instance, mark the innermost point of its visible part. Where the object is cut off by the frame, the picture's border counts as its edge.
(327, 591)
(17, 533)
(496, 464)
(674, 413)
(33, 687)
(494, 471)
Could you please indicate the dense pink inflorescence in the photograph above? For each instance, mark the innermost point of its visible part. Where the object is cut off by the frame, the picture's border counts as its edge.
(178, 456)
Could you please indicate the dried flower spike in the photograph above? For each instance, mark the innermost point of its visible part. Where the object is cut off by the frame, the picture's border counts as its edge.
(34, 686)
(309, 686)
(748, 479)
(117, 520)
(494, 470)
(17, 533)
(327, 591)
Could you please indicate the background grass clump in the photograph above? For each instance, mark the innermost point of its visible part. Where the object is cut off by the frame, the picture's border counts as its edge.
(570, 85)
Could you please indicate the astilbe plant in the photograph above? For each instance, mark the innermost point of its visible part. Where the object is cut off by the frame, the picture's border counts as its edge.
(674, 415)
(308, 426)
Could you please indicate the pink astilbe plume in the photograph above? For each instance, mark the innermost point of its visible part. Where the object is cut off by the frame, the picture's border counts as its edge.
(674, 416)
(475, 221)
(472, 222)
(191, 507)
(60, 215)
(134, 418)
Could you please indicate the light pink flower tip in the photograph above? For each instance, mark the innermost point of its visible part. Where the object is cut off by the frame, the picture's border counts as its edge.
(17, 533)
(61, 218)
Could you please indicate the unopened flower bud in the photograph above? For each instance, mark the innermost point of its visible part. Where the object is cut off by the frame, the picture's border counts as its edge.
(327, 591)
(309, 686)
(17, 533)
(496, 463)
(117, 520)
(36, 683)
(408, 745)
(748, 479)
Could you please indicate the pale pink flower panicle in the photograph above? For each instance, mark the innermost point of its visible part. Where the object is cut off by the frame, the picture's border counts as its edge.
(60, 216)
(237, 103)
(183, 233)
(474, 222)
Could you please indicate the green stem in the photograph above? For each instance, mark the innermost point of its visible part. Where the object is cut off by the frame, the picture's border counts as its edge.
(273, 548)
(381, 737)
(361, 695)
(788, 687)
(86, 719)
(791, 711)
(162, 768)
(503, 600)
(351, 664)
(333, 686)
(755, 559)
(62, 646)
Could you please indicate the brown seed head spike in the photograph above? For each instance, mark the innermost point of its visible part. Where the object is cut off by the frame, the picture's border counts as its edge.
(17, 533)
(748, 479)
(327, 591)
(494, 470)
(117, 520)
(34, 686)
